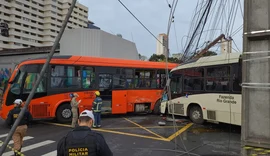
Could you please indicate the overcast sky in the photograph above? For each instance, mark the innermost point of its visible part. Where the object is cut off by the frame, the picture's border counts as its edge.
(112, 17)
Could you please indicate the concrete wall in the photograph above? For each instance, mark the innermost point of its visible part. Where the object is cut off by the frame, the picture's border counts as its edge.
(256, 75)
(93, 42)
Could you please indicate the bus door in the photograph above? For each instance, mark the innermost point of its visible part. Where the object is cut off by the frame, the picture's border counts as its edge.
(119, 95)
(105, 89)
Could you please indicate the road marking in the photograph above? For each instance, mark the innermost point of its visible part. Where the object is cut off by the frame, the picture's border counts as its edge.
(115, 132)
(30, 147)
(144, 128)
(170, 138)
(3, 135)
(152, 127)
(130, 134)
(25, 138)
(51, 153)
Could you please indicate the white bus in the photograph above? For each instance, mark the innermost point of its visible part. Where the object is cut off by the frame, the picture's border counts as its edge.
(207, 89)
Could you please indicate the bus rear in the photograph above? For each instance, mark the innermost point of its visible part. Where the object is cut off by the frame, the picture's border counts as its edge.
(126, 86)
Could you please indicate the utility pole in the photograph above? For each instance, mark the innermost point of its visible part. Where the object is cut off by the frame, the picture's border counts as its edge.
(255, 136)
(42, 72)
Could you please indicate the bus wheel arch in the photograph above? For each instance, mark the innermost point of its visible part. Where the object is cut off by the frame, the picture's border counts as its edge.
(156, 109)
(63, 113)
(194, 112)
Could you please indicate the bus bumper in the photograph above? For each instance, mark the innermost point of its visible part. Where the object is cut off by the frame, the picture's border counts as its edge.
(163, 106)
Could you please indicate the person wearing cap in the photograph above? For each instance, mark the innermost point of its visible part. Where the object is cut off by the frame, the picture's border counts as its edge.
(21, 129)
(82, 140)
(74, 108)
(96, 107)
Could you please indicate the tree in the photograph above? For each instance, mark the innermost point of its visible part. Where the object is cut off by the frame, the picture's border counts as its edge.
(142, 57)
(209, 53)
(162, 58)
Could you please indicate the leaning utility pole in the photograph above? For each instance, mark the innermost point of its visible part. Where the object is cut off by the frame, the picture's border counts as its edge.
(42, 72)
(255, 135)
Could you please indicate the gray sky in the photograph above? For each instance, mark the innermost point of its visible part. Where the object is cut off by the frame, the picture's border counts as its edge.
(112, 17)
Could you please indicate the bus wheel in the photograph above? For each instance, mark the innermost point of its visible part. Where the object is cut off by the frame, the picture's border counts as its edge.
(157, 108)
(64, 113)
(195, 114)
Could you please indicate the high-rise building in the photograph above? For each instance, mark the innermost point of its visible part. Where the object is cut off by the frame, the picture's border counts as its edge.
(161, 47)
(35, 23)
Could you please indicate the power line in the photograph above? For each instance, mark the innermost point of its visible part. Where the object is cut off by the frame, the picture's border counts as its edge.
(139, 21)
(236, 45)
(176, 38)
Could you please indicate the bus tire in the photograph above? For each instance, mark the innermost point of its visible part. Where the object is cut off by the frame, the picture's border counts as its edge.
(195, 114)
(63, 113)
(157, 107)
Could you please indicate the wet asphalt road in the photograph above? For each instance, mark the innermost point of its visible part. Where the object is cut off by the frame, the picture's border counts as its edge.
(140, 135)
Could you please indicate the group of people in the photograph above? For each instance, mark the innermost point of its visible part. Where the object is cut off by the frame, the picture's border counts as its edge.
(80, 141)
(96, 108)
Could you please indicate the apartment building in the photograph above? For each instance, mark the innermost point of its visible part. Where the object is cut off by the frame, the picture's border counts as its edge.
(35, 23)
(162, 43)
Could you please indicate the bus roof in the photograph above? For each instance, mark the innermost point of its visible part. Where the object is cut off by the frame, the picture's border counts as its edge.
(100, 61)
(210, 61)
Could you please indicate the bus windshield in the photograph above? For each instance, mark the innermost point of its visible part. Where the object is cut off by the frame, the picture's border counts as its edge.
(17, 81)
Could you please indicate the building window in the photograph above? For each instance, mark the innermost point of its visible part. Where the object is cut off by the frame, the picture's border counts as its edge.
(6, 14)
(26, 39)
(17, 44)
(26, 19)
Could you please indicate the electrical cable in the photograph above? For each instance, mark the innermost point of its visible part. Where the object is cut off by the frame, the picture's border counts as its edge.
(240, 5)
(236, 45)
(176, 38)
(139, 21)
(201, 23)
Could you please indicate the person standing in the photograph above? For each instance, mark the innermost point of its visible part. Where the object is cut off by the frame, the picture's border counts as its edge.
(74, 109)
(82, 140)
(21, 129)
(97, 109)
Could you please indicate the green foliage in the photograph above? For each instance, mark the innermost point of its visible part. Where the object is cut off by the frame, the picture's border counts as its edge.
(162, 58)
(209, 53)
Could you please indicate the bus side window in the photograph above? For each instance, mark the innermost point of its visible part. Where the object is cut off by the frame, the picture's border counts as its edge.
(139, 75)
(162, 78)
(105, 82)
(88, 78)
(119, 81)
(73, 77)
(218, 79)
(236, 79)
(57, 75)
(129, 78)
(154, 79)
(143, 78)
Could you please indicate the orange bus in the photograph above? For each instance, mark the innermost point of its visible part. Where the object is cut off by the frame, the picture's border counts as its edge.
(125, 85)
